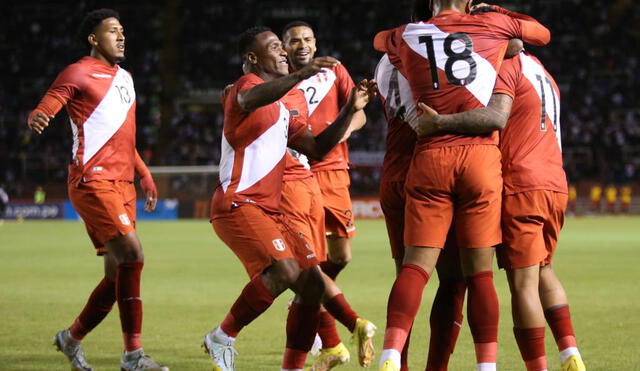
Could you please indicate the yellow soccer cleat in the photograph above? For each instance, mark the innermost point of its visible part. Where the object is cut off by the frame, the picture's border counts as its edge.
(330, 358)
(573, 363)
(388, 365)
(362, 337)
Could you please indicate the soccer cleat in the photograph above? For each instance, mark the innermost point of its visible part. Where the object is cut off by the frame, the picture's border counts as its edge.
(138, 361)
(73, 351)
(330, 358)
(388, 365)
(222, 355)
(573, 363)
(362, 336)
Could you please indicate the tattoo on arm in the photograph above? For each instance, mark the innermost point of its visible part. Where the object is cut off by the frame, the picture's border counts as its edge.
(478, 121)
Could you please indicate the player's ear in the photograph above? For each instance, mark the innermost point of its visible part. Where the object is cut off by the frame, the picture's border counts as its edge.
(467, 8)
(92, 40)
(252, 58)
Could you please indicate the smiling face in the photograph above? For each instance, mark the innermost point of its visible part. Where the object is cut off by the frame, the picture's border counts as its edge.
(300, 44)
(267, 58)
(107, 41)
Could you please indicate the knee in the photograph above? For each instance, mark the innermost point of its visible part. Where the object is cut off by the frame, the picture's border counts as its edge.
(126, 249)
(287, 274)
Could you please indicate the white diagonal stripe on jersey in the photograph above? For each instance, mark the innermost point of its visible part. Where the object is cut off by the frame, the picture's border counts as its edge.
(264, 153)
(108, 116)
(226, 163)
(531, 69)
(316, 87)
(384, 75)
(76, 141)
(481, 87)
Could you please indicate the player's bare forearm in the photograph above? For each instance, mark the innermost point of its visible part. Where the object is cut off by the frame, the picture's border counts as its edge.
(267, 93)
(318, 147)
(478, 121)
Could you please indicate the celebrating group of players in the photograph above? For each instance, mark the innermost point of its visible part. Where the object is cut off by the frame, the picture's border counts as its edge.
(473, 162)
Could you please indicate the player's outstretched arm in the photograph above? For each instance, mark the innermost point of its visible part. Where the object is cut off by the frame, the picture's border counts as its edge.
(271, 91)
(318, 147)
(475, 122)
(147, 184)
(38, 121)
(533, 32)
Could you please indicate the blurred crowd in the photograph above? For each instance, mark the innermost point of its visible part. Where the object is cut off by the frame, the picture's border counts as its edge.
(182, 53)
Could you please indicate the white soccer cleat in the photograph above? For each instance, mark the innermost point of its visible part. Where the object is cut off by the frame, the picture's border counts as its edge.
(138, 361)
(317, 345)
(222, 354)
(73, 351)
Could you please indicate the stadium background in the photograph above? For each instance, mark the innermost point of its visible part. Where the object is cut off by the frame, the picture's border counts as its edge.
(181, 53)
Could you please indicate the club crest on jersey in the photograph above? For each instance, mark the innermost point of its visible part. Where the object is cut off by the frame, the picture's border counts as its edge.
(278, 244)
(124, 219)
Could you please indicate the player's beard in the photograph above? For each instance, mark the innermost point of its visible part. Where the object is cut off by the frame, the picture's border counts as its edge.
(120, 59)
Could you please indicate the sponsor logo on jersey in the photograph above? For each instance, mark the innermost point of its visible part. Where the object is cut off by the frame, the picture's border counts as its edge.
(97, 168)
(124, 219)
(278, 244)
(102, 75)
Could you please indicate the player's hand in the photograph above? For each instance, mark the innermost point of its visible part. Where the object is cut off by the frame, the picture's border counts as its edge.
(39, 121)
(316, 65)
(362, 94)
(425, 124)
(151, 193)
(479, 5)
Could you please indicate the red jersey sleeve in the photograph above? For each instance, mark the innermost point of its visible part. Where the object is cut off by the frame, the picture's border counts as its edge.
(296, 103)
(344, 83)
(508, 77)
(510, 25)
(245, 82)
(65, 87)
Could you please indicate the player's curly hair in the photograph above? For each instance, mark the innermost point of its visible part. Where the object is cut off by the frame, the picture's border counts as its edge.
(293, 24)
(93, 19)
(246, 39)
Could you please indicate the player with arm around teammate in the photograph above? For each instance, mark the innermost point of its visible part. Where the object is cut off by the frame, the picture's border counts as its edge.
(245, 210)
(451, 61)
(526, 99)
(100, 99)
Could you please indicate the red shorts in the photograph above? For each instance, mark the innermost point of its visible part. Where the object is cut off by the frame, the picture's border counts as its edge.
(531, 223)
(392, 201)
(302, 207)
(459, 182)
(259, 239)
(107, 207)
(338, 212)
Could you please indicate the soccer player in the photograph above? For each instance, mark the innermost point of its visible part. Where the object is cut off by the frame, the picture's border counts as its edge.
(534, 202)
(302, 208)
(245, 209)
(100, 99)
(326, 93)
(451, 61)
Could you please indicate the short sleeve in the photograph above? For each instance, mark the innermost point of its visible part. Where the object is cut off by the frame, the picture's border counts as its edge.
(296, 103)
(344, 84)
(508, 77)
(230, 103)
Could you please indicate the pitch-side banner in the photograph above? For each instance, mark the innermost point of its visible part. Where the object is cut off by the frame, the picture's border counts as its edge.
(166, 209)
(20, 210)
(367, 208)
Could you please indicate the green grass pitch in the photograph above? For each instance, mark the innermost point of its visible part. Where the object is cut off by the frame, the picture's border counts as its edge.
(47, 270)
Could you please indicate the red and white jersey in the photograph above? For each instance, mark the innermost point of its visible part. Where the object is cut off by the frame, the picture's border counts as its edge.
(101, 102)
(395, 93)
(297, 164)
(530, 143)
(451, 62)
(326, 92)
(253, 152)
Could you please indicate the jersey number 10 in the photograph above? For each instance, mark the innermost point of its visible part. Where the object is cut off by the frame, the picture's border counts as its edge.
(452, 57)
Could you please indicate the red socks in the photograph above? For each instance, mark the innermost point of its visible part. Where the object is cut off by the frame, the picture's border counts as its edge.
(404, 302)
(342, 311)
(531, 344)
(483, 312)
(404, 355)
(445, 321)
(98, 306)
(302, 323)
(327, 330)
(331, 269)
(130, 303)
(559, 320)
(252, 302)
